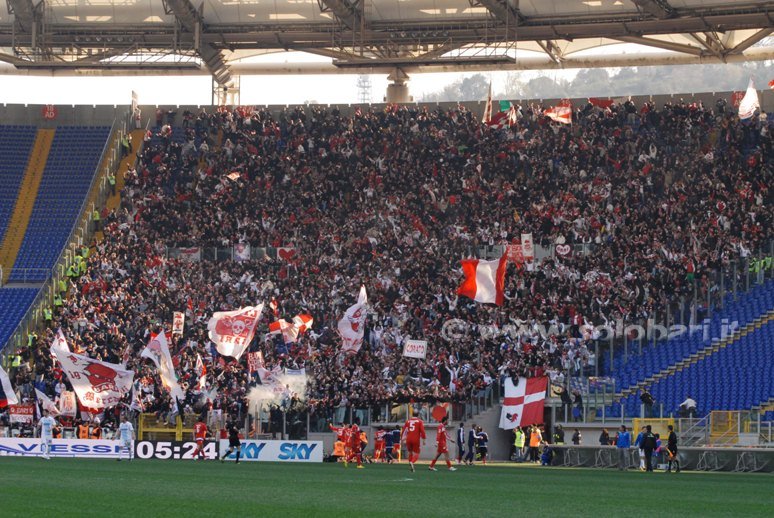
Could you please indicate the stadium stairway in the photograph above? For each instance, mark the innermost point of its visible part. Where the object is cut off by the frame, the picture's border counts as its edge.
(28, 191)
(113, 202)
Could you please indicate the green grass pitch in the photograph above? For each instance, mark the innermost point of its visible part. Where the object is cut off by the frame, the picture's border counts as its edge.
(146, 488)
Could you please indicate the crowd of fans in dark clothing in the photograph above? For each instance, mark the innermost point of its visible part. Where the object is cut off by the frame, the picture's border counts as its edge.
(392, 199)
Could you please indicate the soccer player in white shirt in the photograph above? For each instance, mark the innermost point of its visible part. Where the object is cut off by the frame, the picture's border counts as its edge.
(46, 425)
(126, 436)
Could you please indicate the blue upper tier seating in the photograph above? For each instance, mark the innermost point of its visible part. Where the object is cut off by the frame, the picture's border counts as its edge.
(15, 145)
(72, 162)
(738, 377)
(14, 303)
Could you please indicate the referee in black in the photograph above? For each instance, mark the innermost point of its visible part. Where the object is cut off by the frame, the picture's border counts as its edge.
(672, 450)
(233, 442)
(649, 444)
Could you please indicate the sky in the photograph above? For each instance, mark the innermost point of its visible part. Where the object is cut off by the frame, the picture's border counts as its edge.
(197, 90)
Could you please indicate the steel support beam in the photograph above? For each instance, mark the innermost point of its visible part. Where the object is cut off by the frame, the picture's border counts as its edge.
(660, 44)
(752, 40)
(347, 13)
(24, 12)
(504, 10)
(191, 20)
(658, 8)
(552, 50)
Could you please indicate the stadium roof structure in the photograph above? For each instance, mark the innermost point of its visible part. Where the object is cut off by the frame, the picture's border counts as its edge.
(219, 37)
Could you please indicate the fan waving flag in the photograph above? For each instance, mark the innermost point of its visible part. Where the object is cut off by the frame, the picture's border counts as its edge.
(484, 280)
(46, 403)
(523, 403)
(157, 351)
(352, 324)
(97, 384)
(749, 102)
(7, 395)
(232, 331)
(59, 345)
(560, 113)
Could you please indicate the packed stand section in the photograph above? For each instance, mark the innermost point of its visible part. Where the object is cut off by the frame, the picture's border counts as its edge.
(393, 199)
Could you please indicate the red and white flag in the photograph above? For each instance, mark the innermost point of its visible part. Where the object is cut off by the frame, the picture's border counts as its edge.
(46, 403)
(303, 322)
(178, 322)
(201, 372)
(232, 331)
(352, 325)
(59, 345)
(523, 403)
(771, 84)
(484, 280)
(7, 395)
(157, 351)
(562, 112)
(97, 384)
(284, 328)
(749, 102)
(527, 247)
(67, 403)
(254, 361)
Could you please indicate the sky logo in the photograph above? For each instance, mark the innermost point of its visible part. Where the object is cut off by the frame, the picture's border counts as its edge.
(293, 451)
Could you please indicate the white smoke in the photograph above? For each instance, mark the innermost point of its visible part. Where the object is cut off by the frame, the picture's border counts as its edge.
(281, 388)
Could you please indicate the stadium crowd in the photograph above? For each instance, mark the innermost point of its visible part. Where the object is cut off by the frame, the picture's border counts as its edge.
(392, 199)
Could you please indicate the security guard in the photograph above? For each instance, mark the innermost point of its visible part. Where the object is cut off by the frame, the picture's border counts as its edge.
(57, 301)
(84, 251)
(47, 315)
(518, 444)
(31, 338)
(97, 220)
(112, 182)
(62, 285)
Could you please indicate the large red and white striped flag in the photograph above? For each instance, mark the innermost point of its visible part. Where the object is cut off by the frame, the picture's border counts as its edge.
(562, 112)
(352, 325)
(291, 331)
(484, 280)
(232, 331)
(523, 403)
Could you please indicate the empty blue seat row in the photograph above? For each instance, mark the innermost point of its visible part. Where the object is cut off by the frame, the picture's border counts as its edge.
(14, 303)
(72, 161)
(15, 145)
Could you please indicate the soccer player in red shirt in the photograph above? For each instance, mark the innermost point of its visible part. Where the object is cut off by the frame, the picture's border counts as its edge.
(379, 443)
(343, 434)
(200, 433)
(354, 441)
(413, 430)
(441, 440)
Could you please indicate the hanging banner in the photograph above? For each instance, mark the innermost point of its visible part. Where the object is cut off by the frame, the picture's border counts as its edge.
(242, 252)
(22, 414)
(67, 404)
(527, 247)
(178, 322)
(415, 349)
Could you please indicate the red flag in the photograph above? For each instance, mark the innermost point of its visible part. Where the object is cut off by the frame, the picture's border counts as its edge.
(601, 103)
(523, 403)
